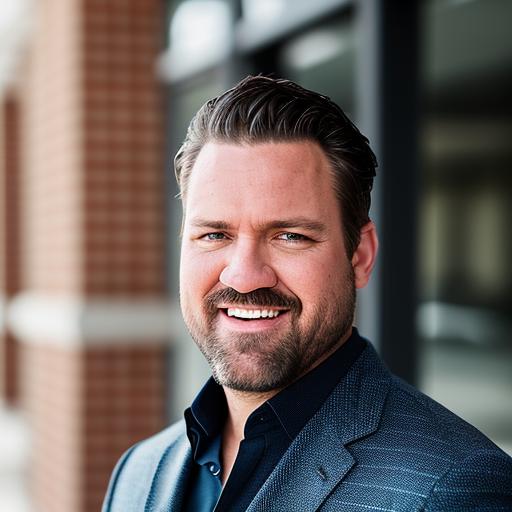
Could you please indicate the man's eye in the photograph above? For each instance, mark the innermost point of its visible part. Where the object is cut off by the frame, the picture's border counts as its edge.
(292, 237)
(213, 236)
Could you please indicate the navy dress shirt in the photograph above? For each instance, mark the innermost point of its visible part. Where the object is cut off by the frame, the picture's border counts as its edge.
(268, 433)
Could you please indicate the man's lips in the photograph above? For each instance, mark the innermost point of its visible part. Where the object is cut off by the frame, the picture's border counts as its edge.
(249, 325)
(252, 312)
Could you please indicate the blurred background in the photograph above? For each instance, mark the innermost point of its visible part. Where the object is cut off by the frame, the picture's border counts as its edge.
(95, 98)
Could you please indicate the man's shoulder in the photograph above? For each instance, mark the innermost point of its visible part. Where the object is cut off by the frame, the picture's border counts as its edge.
(411, 418)
(133, 476)
(154, 446)
(467, 464)
(431, 424)
(418, 455)
(407, 410)
(149, 452)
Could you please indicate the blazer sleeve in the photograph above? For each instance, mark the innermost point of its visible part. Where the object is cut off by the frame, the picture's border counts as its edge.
(480, 482)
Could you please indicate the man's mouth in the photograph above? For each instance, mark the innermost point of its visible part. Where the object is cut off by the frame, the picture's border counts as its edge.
(252, 313)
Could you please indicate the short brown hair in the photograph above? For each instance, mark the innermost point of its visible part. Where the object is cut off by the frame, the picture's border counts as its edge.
(262, 109)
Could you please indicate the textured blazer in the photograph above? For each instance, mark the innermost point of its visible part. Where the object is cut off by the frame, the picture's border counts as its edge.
(376, 444)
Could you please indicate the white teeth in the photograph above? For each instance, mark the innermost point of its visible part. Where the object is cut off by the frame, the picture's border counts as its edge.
(252, 313)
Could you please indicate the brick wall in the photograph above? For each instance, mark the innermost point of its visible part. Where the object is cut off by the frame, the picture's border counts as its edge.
(134, 376)
(86, 407)
(93, 233)
(122, 148)
(9, 240)
(53, 133)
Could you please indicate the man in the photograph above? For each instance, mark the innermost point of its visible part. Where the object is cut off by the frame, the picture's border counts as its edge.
(300, 415)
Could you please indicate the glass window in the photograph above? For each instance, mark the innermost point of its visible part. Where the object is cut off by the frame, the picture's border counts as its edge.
(323, 59)
(199, 37)
(466, 249)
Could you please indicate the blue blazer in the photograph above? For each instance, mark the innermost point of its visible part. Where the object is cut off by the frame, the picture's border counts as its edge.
(376, 444)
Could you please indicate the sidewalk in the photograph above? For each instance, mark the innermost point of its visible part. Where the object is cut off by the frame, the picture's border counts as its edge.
(14, 453)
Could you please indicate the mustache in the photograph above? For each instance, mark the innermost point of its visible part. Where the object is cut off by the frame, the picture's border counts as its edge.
(260, 297)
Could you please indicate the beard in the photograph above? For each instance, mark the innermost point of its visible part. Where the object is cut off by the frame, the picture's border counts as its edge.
(270, 360)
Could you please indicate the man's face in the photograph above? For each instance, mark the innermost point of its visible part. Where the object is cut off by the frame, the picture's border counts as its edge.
(266, 288)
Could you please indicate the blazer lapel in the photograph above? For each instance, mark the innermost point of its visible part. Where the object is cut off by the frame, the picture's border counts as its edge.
(318, 459)
(170, 479)
(305, 476)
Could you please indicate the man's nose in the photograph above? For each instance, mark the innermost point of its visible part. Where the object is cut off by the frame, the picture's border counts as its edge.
(247, 268)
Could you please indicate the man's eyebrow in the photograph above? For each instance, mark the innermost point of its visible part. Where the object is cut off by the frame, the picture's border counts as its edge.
(298, 222)
(294, 222)
(210, 224)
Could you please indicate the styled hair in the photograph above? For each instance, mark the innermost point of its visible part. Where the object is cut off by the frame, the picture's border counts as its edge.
(261, 109)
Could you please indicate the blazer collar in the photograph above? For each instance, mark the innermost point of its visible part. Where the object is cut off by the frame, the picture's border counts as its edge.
(318, 459)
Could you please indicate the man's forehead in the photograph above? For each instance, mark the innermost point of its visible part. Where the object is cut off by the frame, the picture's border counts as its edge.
(277, 165)
(265, 182)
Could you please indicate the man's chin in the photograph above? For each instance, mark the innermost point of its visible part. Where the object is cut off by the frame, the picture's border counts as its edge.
(255, 373)
(245, 385)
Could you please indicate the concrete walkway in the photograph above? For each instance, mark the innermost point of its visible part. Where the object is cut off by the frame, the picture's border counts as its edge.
(14, 456)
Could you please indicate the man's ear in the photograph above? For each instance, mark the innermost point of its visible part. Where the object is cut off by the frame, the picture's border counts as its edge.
(363, 259)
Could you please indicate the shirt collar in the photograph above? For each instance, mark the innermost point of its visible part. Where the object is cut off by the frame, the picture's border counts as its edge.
(205, 419)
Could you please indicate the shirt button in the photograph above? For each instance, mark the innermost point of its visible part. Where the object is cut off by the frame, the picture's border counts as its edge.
(214, 469)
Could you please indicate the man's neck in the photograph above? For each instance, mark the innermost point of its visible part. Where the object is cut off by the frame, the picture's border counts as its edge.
(241, 405)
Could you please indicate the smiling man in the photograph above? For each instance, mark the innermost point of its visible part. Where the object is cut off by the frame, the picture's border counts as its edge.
(300, 413)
